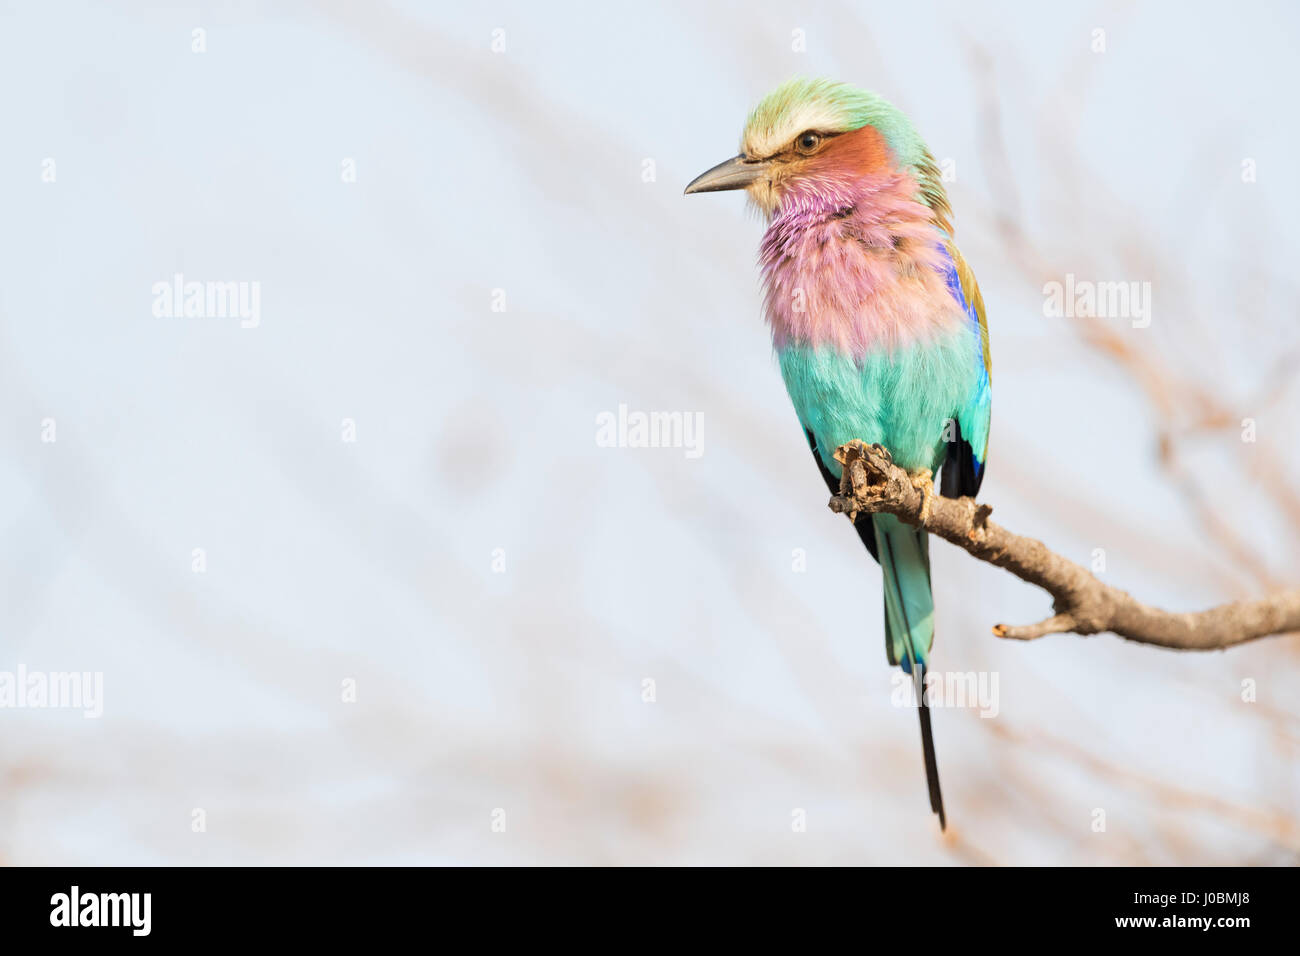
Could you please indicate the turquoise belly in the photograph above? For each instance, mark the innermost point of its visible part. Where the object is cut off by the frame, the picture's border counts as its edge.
(904, 400)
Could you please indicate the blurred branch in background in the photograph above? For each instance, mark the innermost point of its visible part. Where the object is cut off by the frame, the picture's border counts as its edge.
(872, 483)
(1187, 387)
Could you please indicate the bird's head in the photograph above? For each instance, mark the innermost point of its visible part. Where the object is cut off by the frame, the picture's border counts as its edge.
(815, 142)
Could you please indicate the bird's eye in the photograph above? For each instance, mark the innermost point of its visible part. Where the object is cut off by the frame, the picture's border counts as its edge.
(807, 142)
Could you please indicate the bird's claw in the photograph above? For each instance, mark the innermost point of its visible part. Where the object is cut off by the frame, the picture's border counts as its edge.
(923, 481)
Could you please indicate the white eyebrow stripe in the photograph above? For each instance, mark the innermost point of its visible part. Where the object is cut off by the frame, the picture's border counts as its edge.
(766, 140)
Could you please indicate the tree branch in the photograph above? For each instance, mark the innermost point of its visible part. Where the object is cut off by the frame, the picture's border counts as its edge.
(873, 484)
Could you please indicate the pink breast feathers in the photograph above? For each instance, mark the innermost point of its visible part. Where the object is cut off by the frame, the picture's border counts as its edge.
(856, 262)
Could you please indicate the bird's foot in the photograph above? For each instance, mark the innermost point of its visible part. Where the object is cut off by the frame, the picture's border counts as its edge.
(923, 481)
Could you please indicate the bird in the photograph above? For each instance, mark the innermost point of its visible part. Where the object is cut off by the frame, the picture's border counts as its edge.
(877, 322)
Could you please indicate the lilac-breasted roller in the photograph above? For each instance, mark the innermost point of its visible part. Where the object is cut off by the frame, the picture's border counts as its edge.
(877, 321)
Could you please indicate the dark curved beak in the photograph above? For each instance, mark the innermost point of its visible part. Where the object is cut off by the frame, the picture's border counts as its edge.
(736, 173)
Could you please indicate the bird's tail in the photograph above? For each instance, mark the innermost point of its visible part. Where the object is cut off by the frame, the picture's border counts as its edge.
(909, 623)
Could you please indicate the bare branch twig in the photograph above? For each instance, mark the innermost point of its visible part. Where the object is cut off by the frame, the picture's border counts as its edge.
(872, 483)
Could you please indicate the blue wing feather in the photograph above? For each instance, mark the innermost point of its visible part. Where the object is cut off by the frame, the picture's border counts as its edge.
(964, 470)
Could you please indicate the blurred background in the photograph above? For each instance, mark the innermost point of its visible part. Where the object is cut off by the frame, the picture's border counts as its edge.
(362, 584)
